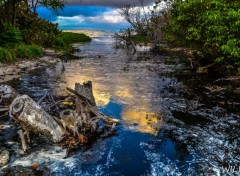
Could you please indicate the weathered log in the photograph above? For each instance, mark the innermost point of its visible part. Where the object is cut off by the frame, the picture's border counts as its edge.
(7, 95)
(82, 117)
(32, 117)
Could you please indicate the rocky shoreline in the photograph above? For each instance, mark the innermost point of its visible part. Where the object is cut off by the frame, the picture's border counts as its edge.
(17, 69)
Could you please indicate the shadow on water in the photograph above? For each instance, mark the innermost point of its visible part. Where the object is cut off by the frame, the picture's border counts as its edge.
(169, 126)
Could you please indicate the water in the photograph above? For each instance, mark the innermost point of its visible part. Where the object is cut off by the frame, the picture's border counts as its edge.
(172, 124)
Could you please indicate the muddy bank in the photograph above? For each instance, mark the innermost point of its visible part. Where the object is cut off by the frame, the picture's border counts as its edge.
(22, 67)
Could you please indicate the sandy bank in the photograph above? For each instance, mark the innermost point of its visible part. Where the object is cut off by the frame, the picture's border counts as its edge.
(17, 69)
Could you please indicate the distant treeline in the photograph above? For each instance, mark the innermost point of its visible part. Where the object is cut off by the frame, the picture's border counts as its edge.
(23, 34)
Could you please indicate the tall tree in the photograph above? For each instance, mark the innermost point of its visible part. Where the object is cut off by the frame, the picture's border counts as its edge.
(54, 5)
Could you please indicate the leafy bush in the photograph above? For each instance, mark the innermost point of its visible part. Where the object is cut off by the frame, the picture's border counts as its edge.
(6, 55)
(37, 31)
(59, 42)
(140, 38)
(28, 51)
(10, 35)
(70, 38)
(212, 26)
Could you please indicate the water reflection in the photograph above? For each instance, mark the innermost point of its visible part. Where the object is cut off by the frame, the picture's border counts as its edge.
(125, 87)
(131, 88)
(147, 122)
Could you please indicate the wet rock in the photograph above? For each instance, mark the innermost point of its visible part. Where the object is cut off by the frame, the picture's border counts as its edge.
(7, 95)
(23, 171)
(4, 158)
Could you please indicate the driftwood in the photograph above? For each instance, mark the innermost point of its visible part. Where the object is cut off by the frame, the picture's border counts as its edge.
(68, 120)
(231, 78)
(204, 69)
(21, 135)
(32, 117)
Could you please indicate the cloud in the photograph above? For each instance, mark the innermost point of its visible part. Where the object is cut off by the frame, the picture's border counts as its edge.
(92, 14)
(115, 3)
(109, 20)
(108, 17)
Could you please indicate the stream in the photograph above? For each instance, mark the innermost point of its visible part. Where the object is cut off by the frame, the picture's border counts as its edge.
(172, 124)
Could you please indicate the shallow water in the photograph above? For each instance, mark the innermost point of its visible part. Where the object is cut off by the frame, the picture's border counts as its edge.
(171, 124)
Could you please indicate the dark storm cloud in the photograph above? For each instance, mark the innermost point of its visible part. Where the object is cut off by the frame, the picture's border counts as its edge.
(115, 3)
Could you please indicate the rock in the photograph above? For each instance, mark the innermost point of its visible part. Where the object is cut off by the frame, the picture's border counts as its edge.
(4, 158)
(7, 95)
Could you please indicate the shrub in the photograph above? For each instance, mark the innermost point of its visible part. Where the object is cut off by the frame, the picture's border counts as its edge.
(28, 51)
(37, 31)
(6, 55)
(70, 38)
(210, 26)
(10, 35)
(140, 38)
(36, 51)
(59, 42)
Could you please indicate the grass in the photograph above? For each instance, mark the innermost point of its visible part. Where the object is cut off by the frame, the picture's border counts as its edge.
(28, 51)
(67, 38)
(64, 40)
(6, 55)
(21, 51)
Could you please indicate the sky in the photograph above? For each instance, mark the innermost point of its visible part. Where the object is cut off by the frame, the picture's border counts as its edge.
(90, 14)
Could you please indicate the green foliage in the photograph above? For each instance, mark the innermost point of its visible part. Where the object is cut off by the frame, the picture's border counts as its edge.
(140, 38)
(37, 31)
(53, 5)
(70, 38)
(64, 40)
(28, 51)
(6, 55)
(212, 26)
(59, 42)
(10, 35)
(23, 33)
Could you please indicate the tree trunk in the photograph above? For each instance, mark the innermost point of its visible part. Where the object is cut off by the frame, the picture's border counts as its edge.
(32, 117)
